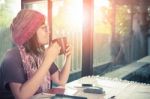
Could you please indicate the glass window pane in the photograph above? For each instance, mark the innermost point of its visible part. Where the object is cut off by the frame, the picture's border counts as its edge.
(102, 32)
(67, 21)
(123, 19)
(8, 10)
(123, 34)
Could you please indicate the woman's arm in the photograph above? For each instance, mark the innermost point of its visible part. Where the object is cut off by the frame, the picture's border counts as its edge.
(28, 89)
(61, 77)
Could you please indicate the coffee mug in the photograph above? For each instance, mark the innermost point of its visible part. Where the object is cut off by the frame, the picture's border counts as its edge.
(63, 44)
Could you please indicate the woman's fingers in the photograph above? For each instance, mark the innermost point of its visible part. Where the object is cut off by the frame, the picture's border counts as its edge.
(53, 51)
(68, 50)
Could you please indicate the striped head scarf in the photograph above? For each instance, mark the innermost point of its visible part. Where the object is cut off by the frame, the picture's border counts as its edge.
(31, 63)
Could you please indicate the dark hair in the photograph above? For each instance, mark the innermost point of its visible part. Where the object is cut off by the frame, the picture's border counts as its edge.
(32, 46)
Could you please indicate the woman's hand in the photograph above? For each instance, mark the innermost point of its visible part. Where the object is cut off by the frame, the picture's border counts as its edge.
(52, 52)
(61, 77)
(68, 51)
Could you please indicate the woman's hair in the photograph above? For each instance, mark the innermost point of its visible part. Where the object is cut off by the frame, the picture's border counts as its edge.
(32, 46)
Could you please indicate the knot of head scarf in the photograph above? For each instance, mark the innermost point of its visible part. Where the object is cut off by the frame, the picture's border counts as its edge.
(31, 63)
(25, 25)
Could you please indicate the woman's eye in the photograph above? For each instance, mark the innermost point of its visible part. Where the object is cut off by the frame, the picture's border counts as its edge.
(44, 28)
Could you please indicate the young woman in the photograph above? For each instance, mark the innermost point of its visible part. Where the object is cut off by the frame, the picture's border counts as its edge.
(28, 68)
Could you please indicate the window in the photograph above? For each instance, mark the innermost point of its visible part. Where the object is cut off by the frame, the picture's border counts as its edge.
(8, 10)
(102, 33)
(67, 21)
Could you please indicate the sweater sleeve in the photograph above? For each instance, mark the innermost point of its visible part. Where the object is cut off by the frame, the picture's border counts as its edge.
(12, 69)
(53, 69)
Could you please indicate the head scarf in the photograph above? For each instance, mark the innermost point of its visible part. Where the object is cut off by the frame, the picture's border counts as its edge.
(25, 25)
(31, 63)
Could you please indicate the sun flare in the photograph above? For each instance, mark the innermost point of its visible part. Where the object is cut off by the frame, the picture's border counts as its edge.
(70, 13)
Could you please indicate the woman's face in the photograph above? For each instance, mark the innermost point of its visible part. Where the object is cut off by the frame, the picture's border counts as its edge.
(43, 35)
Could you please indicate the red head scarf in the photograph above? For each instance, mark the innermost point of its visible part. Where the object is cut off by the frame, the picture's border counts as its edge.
(25, 25)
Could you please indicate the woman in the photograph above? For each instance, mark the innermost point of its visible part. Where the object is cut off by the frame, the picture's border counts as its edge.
(28, 68)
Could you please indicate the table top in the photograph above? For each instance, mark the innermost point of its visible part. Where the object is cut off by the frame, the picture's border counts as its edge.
(120, 89)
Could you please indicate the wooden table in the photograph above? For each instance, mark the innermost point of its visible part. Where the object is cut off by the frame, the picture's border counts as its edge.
(121, 89)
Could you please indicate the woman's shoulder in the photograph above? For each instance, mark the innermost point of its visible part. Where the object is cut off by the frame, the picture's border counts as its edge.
(12, 52)
(12, 55)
